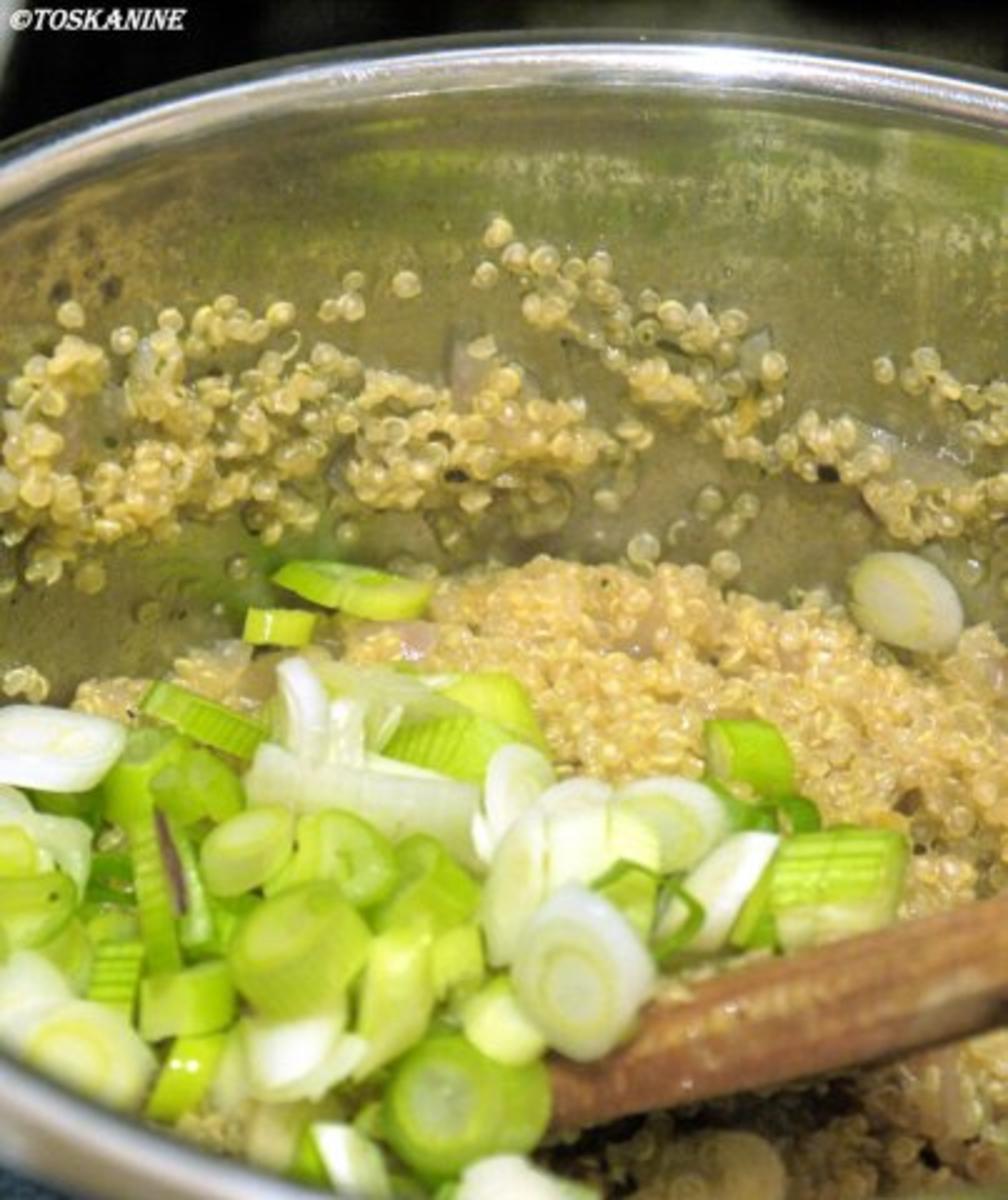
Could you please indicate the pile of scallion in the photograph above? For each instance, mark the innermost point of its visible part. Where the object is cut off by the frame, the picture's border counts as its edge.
(364, 914)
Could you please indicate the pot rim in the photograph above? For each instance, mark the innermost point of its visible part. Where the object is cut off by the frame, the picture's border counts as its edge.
(151, 120)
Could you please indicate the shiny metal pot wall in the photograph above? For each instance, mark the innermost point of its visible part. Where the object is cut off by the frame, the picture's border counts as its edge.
(856, 207)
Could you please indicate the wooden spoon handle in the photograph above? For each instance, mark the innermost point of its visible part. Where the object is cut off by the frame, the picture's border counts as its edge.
(858, 1001)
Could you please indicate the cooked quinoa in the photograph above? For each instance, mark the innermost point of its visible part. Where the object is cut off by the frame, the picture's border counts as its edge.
(125, 434)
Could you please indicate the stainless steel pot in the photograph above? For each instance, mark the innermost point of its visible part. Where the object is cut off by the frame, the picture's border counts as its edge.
(857, 207)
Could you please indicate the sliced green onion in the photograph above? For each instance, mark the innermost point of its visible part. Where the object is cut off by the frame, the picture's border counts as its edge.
(798, 814)
(64, 841)
(304, 716)
(187, 1003)
(633, 890)
(679, 917)
(496, 1024)
(360, 591)
(111, 878)
(243, 852)
(230, 1091)
(398, 967)
(832, 884)
(386, 695)
(516, 777)
(397, 805)
(127, 787)
(585, 842)
(721, 884)
(93, 1050)
(56, 749)
(457, 961)
(448, 1105)
(197, 928)
(503, 1176)
(115, 976)
(113, 925)
(197, 785)
(301, 1059)
(689, 817)
(203, 720)
(515, 886)
(433, 892)
(279, 626)
(353, 1164)
(339, 846)
(34, 909)
(458, 746)
(581, 973)
(751, 752)
(155, 906)
(274, 1133)
(297, 952)
(185, 1077)
(499, 697)
(29, 984)
(19, 852)
(904, 600)
(744, 814)
(72, 951)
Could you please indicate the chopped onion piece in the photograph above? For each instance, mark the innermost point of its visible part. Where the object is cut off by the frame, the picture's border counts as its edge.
(905, 601)
(56, 749)
(688, 817)
(299, 1060)
(516, 777)
(495, 1023)
(352, 1162)
(515, 886)
(65, 841)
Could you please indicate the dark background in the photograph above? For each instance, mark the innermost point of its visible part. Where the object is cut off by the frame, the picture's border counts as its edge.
(48, 74)
(52, 73)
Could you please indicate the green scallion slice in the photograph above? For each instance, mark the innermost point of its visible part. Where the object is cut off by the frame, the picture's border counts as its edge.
(495, 1023)
(751, 752)
(72, 952)
(360, 591)
(203, 720)
(458, 963)
(501, 698)
(398, 966)
(115, 975)
(298, 951)
(198, 785)
(155, 906)
(185, 1077)
(19, 853)
(279, 626)
(34, 909)
(633, 890)
(460, 746)
(825, 885)
(126, 789)
(448, 1105)
(433, 891)
(198, 1000)
(245, 851)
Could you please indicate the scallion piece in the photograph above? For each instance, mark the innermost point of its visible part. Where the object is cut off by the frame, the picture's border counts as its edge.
(93, 1050)
(398, 966)
(35, 908)
(457, 961)
(581, 973)
(56, 749)
(19, 852)
(155, 906)
(111, 878)
(115, 976)
(303, 718)
(197, 929)
(72, 951)
(198, 785)
(64, 841)
(126, 789)
(433, 891)
(690, 818)
(679, 917)
(243, 852)
(798, 814)
(632, 889)
(511, 1175)
(353, 1164)
(516, 777)
(501, 698)
(185, 1078)
(342, 847)
(297, 952)
(187, 1003)
(458, 746)
(496, 1024)
(279, 626)
(301, 1059)
(831, 884)
(203, 720)
(904, 600)
(360, 591)
(751, 752)
(448, 1105)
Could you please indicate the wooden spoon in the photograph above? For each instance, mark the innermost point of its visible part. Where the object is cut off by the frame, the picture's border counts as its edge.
(859, 1001)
